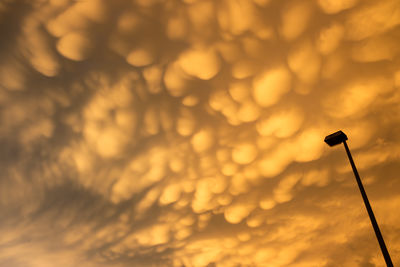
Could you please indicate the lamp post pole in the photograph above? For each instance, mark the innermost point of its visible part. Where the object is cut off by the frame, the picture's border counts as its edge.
(378, 234)
(335, 139)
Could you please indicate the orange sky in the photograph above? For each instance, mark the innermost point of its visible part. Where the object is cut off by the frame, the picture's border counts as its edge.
(190, 132)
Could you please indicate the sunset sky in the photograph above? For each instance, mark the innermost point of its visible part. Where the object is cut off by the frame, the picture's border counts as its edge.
(190, 132)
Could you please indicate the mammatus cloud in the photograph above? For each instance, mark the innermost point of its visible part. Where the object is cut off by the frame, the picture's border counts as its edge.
(190, 133)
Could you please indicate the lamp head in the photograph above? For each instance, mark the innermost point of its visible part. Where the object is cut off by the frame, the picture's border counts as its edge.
(335, 138)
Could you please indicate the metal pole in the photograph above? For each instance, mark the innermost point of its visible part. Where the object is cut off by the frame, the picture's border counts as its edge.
(369, 209)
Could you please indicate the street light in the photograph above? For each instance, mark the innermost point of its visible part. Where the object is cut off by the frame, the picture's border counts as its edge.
(335, 139)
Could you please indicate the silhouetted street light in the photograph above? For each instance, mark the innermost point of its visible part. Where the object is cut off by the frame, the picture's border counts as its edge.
(340, 137)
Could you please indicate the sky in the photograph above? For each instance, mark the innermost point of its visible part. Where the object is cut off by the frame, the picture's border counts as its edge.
(190, 132)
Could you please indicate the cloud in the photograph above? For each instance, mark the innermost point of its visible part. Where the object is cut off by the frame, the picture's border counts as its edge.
(167, 133)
